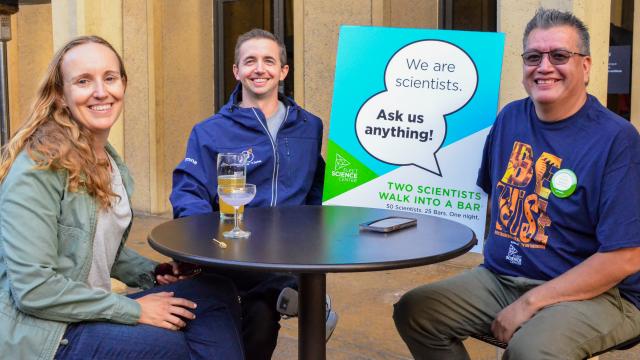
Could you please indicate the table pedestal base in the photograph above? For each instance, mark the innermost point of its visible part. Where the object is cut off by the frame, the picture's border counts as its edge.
(312, 317)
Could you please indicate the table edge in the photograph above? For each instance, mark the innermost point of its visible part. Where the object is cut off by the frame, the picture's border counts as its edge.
(315, 268)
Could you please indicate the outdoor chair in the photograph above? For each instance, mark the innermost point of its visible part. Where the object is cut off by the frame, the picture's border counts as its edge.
(626, 345)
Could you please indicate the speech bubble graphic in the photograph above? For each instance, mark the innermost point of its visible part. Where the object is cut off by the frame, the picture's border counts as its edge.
(405, 124)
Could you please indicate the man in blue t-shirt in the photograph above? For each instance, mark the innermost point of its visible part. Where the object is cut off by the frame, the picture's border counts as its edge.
(560, 274)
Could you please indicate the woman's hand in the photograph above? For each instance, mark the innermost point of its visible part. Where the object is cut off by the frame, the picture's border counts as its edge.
(167, 273)
(170, 272)
(165, 311)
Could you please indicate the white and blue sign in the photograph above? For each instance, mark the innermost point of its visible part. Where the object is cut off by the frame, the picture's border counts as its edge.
(411, 110)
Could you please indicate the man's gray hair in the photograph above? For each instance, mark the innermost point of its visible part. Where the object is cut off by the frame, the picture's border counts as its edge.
(548, 18)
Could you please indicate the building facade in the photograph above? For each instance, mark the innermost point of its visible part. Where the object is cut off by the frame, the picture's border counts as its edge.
(178, 56)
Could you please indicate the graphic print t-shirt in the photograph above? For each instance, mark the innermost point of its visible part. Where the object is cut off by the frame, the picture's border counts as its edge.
(536, 234)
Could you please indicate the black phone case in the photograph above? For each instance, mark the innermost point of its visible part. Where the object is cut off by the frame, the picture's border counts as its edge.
(410, 222)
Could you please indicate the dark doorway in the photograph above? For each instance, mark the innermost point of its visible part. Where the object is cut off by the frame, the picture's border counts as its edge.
(620, 58)
(235, 17)
(474, 15)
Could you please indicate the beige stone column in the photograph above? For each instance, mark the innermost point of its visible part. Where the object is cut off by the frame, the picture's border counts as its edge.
(512, 19)
(168, 50)
(298, 43)
(320, 30)
(187, 75)
(405, 13)
(71, 18)
(29, 52)
(597, 15)
(316, 40)
(143, 108)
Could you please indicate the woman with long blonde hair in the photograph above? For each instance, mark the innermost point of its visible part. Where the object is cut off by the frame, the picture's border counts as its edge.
(64, 217)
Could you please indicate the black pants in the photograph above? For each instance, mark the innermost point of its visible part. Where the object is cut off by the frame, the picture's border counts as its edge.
(260, 320)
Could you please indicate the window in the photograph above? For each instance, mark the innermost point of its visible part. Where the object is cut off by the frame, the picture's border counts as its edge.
(475, 15)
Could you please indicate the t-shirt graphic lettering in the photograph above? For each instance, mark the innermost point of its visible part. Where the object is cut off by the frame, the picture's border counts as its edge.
(522, 208)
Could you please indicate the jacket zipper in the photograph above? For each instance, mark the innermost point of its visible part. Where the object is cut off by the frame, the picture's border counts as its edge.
(274, 148)
(286, 116)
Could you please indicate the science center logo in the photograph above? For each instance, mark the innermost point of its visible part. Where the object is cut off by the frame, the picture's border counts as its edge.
(342, 172)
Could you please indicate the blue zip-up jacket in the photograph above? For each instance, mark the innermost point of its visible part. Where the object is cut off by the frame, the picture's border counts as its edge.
(287, 170)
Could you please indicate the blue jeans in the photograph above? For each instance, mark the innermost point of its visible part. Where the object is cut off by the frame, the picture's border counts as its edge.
(260, 318)
(213, 334)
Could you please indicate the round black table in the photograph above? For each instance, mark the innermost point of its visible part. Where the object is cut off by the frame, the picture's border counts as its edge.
(312, 241)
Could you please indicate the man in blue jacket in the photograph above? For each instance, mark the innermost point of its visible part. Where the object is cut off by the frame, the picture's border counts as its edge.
(283, 144)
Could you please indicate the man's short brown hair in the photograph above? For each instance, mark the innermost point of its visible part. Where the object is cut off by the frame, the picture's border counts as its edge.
(260, 34)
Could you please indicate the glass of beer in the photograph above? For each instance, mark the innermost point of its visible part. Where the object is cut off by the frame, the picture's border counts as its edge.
(232, 171)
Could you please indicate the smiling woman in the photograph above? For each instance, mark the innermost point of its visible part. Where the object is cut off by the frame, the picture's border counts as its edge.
(61, 126)
(64, 217)
(93, 88)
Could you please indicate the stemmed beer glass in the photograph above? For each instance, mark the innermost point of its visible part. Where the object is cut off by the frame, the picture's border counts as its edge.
(232, 171)
(236, 195)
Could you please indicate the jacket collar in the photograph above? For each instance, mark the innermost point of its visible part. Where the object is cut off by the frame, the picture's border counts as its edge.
(127, 180)
(233, 111)
(236, 97)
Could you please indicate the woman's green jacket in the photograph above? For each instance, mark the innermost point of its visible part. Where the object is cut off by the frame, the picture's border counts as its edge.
(46, 246)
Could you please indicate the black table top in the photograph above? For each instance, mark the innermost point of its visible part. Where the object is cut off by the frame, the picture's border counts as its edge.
(312, 239)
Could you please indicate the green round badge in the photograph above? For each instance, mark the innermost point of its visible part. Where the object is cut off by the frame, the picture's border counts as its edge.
(563, 183)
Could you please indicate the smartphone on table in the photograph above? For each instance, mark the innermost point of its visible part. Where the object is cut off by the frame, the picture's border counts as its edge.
(389, 224)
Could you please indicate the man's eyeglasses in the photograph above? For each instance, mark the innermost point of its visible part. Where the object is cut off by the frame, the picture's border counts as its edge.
(556, 57)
